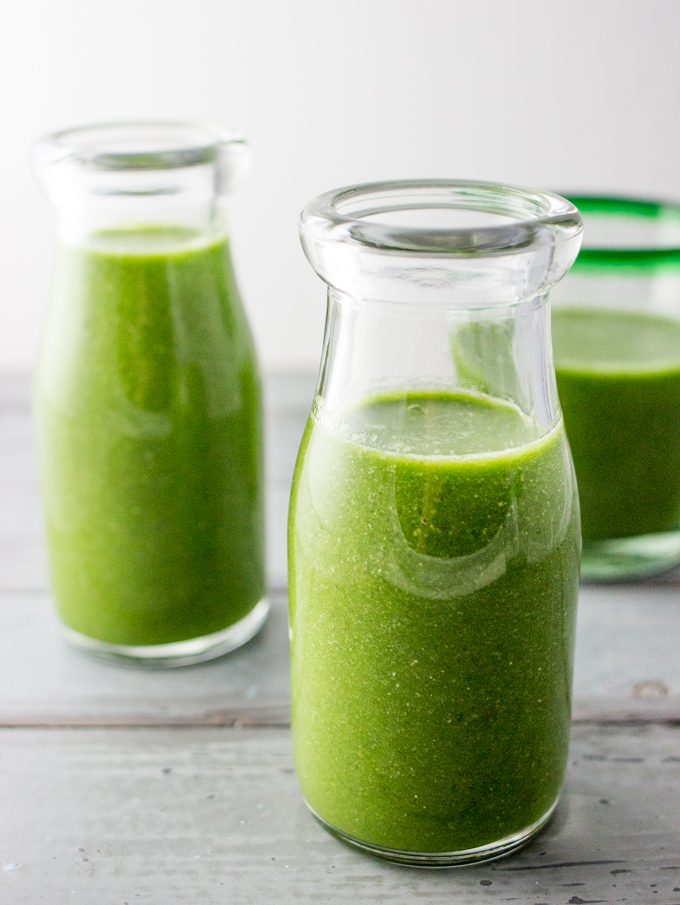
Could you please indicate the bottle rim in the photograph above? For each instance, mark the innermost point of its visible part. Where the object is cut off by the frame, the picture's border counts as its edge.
(387, 217)
(623, 211)
(137, 145)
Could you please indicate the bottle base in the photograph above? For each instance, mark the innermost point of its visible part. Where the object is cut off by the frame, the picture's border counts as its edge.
(489, 852)
(178, 653)
(630, 557)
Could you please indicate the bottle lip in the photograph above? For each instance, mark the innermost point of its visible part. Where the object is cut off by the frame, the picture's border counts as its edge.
(138, 145)
(440, 218)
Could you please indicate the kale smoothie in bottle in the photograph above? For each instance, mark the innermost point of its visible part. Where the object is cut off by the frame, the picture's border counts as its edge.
(148, 403)
(434, 534)
(433, 615)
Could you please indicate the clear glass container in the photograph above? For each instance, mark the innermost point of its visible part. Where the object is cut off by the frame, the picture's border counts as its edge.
(616, 332)
(148, 397)
(434, 532)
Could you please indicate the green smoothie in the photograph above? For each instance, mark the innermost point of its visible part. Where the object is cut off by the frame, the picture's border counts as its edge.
(434, 547)
(618, 375)
(148, 407)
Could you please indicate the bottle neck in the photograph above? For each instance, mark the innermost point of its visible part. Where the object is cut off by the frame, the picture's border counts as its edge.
(504, 352)
(94, 202)
(140, 176)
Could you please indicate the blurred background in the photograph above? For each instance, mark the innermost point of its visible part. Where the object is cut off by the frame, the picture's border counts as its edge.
(578, 96)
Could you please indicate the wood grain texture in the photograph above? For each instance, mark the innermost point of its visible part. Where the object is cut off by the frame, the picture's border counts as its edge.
(628, 653)
(164, 816)
(44, 682)
(627, 669)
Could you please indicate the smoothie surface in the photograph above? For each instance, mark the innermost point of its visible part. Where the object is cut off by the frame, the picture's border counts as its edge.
(434, 544)
(619, 342)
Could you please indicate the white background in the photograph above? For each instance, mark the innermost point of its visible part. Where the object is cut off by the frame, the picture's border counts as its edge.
(570, 95)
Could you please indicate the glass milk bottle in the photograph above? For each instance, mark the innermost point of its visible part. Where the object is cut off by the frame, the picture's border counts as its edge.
(434, 526)
(148, 397)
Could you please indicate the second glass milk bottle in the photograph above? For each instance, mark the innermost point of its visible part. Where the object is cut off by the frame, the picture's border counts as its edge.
(148, 398)
(434, 529)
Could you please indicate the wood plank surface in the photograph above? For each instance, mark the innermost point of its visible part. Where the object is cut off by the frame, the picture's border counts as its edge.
(44, 682)
(116, 816)
(628, 652)
(627, 668)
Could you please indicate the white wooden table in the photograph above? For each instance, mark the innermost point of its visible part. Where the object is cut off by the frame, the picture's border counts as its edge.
(120, 787)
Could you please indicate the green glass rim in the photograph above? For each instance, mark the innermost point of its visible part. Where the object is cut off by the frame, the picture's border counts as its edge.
(630, 258)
